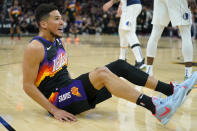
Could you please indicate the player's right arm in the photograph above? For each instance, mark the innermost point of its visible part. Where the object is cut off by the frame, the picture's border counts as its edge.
(119, 11)
(109, 4)
(10, 15)
(33, 55)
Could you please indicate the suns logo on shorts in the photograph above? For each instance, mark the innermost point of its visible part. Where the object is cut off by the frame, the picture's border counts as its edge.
(75, 91)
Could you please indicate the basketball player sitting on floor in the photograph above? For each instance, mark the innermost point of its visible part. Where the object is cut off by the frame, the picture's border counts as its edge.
(47, 81)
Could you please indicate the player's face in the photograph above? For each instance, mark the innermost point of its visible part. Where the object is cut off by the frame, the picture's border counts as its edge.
(16, 2)
(55, 24)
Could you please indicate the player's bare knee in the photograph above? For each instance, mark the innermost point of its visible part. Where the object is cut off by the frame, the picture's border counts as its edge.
(102, 73)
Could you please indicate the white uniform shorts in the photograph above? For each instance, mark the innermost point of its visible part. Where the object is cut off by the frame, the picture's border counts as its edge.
(176, 11)
(129, 16)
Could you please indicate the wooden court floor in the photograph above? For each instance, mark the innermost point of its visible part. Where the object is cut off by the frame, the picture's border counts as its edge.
(115, 114)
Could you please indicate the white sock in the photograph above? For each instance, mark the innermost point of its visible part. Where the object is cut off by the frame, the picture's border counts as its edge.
(188, 71)
(187, 47)
(123, 53)
(137, 53)
(149, 69)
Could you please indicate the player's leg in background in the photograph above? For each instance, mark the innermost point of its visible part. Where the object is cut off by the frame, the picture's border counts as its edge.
(67, 31)
(135, 46)
(160, 20)
(76, 33)
(74, 28)
(18, 32)
(180, 15)
(187, 48)
(12, 31)
(132, 13)
(152, 47)
(123, 43)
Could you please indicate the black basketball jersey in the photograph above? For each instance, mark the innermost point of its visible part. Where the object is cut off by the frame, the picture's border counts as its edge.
(53, 73)
(15, 12)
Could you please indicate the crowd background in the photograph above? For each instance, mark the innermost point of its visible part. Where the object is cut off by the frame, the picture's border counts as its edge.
(89, 18)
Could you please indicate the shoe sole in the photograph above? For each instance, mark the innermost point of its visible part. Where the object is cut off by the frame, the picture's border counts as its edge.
(188, 90)
(167, 118)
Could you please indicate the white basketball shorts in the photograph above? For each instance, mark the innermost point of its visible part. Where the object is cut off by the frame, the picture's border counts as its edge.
(129, 16)
(176, 11)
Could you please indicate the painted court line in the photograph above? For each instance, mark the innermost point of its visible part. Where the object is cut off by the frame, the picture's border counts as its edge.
(6, 125)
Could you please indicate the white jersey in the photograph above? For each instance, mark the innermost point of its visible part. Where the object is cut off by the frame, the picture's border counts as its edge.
(176, 11)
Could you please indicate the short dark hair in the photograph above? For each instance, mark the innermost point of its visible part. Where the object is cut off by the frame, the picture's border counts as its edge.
(42, 12)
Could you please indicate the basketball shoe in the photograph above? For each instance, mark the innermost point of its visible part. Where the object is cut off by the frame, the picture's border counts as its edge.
(188, 84)
(140, 65)
(166, 107)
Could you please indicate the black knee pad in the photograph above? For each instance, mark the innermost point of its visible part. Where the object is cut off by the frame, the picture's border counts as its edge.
(117, 67)
(123, 69)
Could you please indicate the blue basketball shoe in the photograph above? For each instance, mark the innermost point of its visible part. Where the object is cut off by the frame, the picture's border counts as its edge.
(188, 84)
(166, 107)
